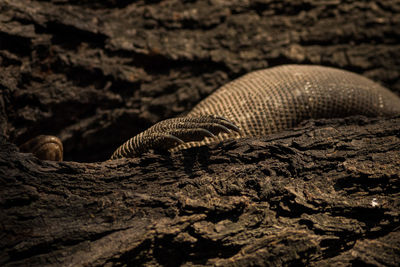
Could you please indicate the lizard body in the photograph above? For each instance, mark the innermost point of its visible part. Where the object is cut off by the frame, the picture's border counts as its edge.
(256, 104)
(264, 102)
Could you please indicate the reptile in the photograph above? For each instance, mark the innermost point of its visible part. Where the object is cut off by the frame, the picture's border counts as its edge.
(260, 103)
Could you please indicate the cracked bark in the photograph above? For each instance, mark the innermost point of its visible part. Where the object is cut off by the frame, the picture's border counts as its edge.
(326, 193)
(323, 194)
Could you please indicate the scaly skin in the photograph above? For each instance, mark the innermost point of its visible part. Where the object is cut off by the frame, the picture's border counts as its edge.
(264, 102)
(271, 100)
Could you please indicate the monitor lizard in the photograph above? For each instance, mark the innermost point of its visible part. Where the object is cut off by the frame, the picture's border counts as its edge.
(260, 103)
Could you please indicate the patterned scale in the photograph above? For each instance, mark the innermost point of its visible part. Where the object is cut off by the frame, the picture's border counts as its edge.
(270, 100)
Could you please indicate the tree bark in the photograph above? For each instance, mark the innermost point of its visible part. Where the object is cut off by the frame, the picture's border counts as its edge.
(95, 74)
(323, 194)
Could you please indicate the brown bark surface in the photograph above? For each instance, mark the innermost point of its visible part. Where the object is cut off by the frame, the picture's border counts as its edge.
(95, 74)
(324, 194)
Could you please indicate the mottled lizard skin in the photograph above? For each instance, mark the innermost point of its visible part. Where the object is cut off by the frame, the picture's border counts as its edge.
(264, 102)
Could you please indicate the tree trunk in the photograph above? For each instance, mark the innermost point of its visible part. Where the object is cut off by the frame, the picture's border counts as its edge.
(95, 74)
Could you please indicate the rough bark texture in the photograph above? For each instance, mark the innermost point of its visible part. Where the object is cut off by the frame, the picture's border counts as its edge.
(95, 74)
(324, 194)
